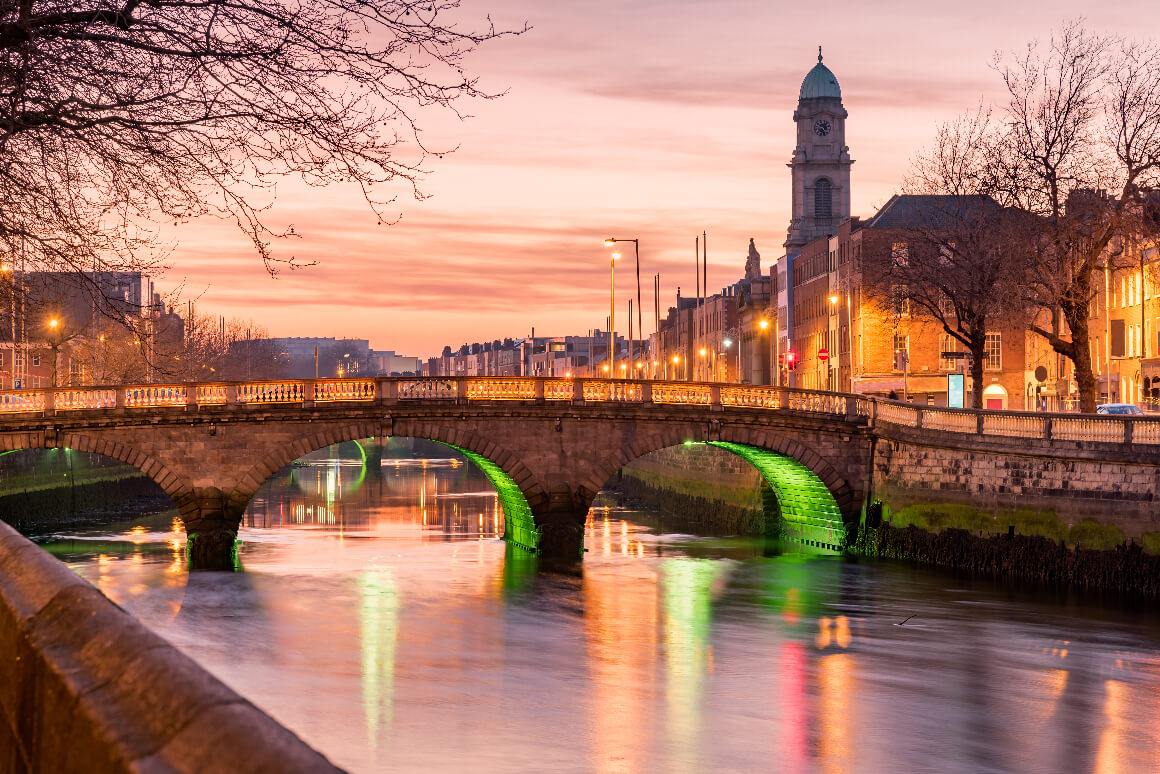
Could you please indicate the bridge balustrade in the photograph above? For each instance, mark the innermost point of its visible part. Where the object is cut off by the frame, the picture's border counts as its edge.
(752, 397)
(898, 414)
(559, 389)
(428, 389)
(386, 391)
(614, 392)
(953, 421)
(501, 389)
(71, 400)
(212, 394)
(1087, 429)
(695, 394)
(1014, 425)
(271, 392)
(356, 389)
(154, 396)
(817, 402)
(1146, 431)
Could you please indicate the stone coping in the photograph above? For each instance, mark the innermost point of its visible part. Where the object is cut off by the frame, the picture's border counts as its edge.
(85, 687)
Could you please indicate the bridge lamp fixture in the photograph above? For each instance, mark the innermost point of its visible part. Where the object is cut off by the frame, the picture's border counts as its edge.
(605, 369)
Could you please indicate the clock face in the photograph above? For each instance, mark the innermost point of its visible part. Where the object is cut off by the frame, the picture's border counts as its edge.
(821, 127)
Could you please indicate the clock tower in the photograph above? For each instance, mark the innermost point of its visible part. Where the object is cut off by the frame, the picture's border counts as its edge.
(821, 161)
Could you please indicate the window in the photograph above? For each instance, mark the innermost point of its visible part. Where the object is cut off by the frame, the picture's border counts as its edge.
(823, 199)
(900, 295)
(900, 254)
(19, 360)
(901, 351)
(35, 360)
(948, 343)
(1, 358)
(993, 352)
(946, 307)
(946, 252)
(1116, 347)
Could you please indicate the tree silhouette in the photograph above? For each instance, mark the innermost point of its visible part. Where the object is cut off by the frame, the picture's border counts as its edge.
(118, 116)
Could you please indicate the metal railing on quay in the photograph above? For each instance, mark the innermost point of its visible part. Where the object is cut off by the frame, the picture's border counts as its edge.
(1114, 429)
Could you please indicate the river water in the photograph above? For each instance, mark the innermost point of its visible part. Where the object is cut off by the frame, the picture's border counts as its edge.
(380, 617)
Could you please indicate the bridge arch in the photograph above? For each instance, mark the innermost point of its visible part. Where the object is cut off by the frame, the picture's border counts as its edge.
(796, 473)
(517, 488)
(173, 485)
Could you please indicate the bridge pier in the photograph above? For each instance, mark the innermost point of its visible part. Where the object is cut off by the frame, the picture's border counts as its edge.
(211, 529)
(560, 521)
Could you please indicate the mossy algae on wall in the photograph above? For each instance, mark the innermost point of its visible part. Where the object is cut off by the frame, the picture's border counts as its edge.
(1045, 523)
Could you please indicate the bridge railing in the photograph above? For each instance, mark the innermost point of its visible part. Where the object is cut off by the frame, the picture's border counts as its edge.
(858, 409)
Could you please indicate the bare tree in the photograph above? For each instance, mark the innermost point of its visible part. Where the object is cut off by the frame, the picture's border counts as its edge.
(959, 268)
(118, 115)
(1080, 148)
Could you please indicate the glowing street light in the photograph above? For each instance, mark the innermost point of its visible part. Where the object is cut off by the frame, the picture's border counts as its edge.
(612, 310)
(609, 242)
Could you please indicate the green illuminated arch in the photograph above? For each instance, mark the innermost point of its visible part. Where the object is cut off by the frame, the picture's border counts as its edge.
(519, 526)
(809, 515)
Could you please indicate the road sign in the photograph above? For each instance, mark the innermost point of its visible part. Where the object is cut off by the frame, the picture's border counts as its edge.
(955, 355)
(16, 385)
(823, 354)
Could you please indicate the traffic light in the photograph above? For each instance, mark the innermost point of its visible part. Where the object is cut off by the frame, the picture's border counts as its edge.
(791, 360)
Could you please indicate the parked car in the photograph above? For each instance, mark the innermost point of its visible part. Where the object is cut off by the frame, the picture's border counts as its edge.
(1118, 408)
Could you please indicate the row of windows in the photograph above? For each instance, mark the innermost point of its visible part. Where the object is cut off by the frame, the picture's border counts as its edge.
(20, 357)
(993, 352)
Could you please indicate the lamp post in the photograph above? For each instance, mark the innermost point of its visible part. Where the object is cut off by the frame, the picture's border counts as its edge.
(763, 346)
(639, 324)
(54, 343)
(612, 317)
(5, 270)
(831, 341)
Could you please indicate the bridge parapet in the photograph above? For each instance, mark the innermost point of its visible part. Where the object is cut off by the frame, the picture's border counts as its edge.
(388, 391)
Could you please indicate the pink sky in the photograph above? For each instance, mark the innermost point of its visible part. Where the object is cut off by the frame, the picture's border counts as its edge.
(631, 118)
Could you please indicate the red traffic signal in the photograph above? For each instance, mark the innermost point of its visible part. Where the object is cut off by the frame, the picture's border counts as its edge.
(789, 359)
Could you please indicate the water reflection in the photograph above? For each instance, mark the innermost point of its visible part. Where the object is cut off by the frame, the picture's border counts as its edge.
(380, 618)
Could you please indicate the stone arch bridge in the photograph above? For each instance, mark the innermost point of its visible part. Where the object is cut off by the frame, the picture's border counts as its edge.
(547, 444)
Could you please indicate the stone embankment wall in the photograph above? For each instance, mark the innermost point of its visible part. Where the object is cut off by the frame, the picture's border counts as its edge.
(1124, 569)
(85, 687)
(1074, 495)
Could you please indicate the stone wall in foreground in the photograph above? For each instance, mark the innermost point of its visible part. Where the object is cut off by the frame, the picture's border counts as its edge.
(85, 687)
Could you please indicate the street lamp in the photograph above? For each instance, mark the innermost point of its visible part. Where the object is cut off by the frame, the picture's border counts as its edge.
(612, 314)
(54, 345)
(636, 247)
(831, 342)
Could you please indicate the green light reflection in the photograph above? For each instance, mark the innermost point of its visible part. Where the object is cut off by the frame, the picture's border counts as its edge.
(379, 630)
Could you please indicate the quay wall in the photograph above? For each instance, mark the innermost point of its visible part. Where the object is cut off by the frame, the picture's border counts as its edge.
(85, 687)
(1079, 496)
